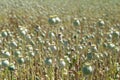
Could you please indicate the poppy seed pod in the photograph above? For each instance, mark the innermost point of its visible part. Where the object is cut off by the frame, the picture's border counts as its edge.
(52, 48)
(5, 63)
(51, 35)
(62, 63)
(4, 34)
(87, 69)
(11, 67)
(90, 55)
(48, 61)
(52, 21)
(116, 34)
(29, 47)
(76, 22)
(61, 28)
(37, 28)
(17, 53)
(31, 54)
(117, 49)
(28, 37)
(20, 60)
(58, 20)
(93, 48)
(23, 31)
(13, 44)
(7, 54)
(80, 47)
(101, 22)
(111, 45)
(109, 36)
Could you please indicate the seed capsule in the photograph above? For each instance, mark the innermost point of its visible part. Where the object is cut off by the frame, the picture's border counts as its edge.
(4, 34)
(87, 69)
(6, 54)
(48, 61)
(20, 60)
(76, 22)
(11, 67)
(62, 63)
(17, 53)
(5, 63)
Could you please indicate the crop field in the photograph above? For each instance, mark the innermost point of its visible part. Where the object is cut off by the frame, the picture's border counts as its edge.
(59, 39)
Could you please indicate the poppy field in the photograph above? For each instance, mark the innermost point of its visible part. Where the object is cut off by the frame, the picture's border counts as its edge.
(60, 40)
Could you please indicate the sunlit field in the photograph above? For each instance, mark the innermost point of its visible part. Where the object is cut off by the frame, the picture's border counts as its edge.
(60, 40)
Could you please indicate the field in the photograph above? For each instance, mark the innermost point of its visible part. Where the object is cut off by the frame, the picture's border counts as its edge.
(60, 40)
